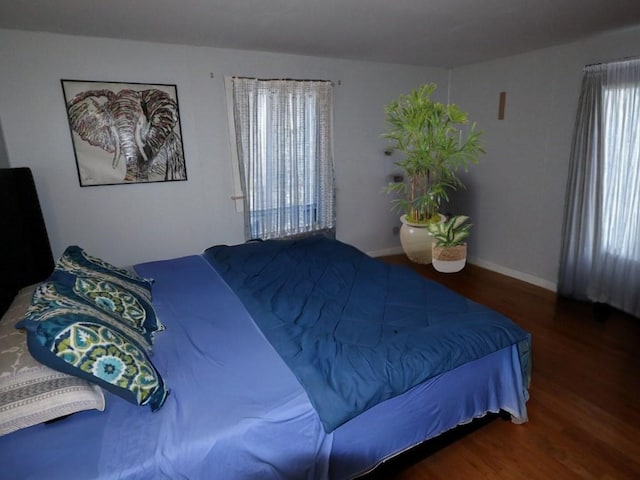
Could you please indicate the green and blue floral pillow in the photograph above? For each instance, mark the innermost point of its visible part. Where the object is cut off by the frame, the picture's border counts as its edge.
(54, 301)
(76, 260)
(95, 321)
(128, 306)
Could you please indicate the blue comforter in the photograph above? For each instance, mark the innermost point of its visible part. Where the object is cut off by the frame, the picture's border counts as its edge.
(353, 330)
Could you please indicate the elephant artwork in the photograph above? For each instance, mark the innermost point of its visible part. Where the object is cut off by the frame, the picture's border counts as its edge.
(129, 134)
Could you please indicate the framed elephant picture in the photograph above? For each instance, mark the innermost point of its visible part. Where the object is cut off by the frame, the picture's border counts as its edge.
(124, 132)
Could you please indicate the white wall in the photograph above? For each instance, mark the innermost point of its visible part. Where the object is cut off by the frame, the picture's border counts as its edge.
(4, 158)
(516, 195)
(134, 223)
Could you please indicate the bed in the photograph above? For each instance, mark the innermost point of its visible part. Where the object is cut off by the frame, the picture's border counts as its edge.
(286, 359)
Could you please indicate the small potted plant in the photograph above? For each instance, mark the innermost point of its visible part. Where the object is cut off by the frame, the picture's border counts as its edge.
(449, 246)
(434, 141)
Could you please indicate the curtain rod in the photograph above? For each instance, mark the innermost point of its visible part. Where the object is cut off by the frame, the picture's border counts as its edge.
(288, 80)
(623, 59)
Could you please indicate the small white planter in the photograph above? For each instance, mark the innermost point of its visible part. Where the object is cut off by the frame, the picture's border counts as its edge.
(449, 259)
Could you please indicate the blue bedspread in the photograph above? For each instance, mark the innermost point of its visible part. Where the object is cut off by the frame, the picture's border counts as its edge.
(356, 331)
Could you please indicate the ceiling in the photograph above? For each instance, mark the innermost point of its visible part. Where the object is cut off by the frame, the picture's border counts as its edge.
(439, 33)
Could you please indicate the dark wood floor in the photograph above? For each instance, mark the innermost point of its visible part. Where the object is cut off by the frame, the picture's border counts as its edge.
(584, 411)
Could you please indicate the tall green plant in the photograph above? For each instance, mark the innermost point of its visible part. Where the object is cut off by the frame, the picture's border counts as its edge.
(431, 137)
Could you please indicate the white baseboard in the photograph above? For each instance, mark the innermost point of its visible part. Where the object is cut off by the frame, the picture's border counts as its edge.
(525, 277)
(494, 267)
(387, 251)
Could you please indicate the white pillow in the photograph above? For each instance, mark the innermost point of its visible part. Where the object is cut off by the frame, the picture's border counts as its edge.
(31, 393)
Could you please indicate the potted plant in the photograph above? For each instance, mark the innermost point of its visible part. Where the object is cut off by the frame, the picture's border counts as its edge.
(449, 248)
(435, 143)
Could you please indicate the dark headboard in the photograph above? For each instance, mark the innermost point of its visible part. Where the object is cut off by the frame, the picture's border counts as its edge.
(25, 252)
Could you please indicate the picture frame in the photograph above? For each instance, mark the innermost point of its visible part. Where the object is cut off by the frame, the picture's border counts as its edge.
(124, 132)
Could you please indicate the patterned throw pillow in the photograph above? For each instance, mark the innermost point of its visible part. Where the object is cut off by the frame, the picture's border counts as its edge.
(30, 392)
(76, 260)
(125, 305)
(52, 298)
(74, 337)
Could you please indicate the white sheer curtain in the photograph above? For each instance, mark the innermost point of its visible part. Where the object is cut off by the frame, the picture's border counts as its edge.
(284, 144)
(600, 256)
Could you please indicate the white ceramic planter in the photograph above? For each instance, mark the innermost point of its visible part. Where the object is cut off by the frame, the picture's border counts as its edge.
(416, 241)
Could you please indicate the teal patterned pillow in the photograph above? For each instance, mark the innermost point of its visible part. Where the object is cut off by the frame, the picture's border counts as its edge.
(51, 298)
(125, 305)
(76, 338)
(75, 260)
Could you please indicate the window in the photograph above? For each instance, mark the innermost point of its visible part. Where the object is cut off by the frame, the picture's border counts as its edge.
(621, 175)
(600, 255)
(283, 131)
